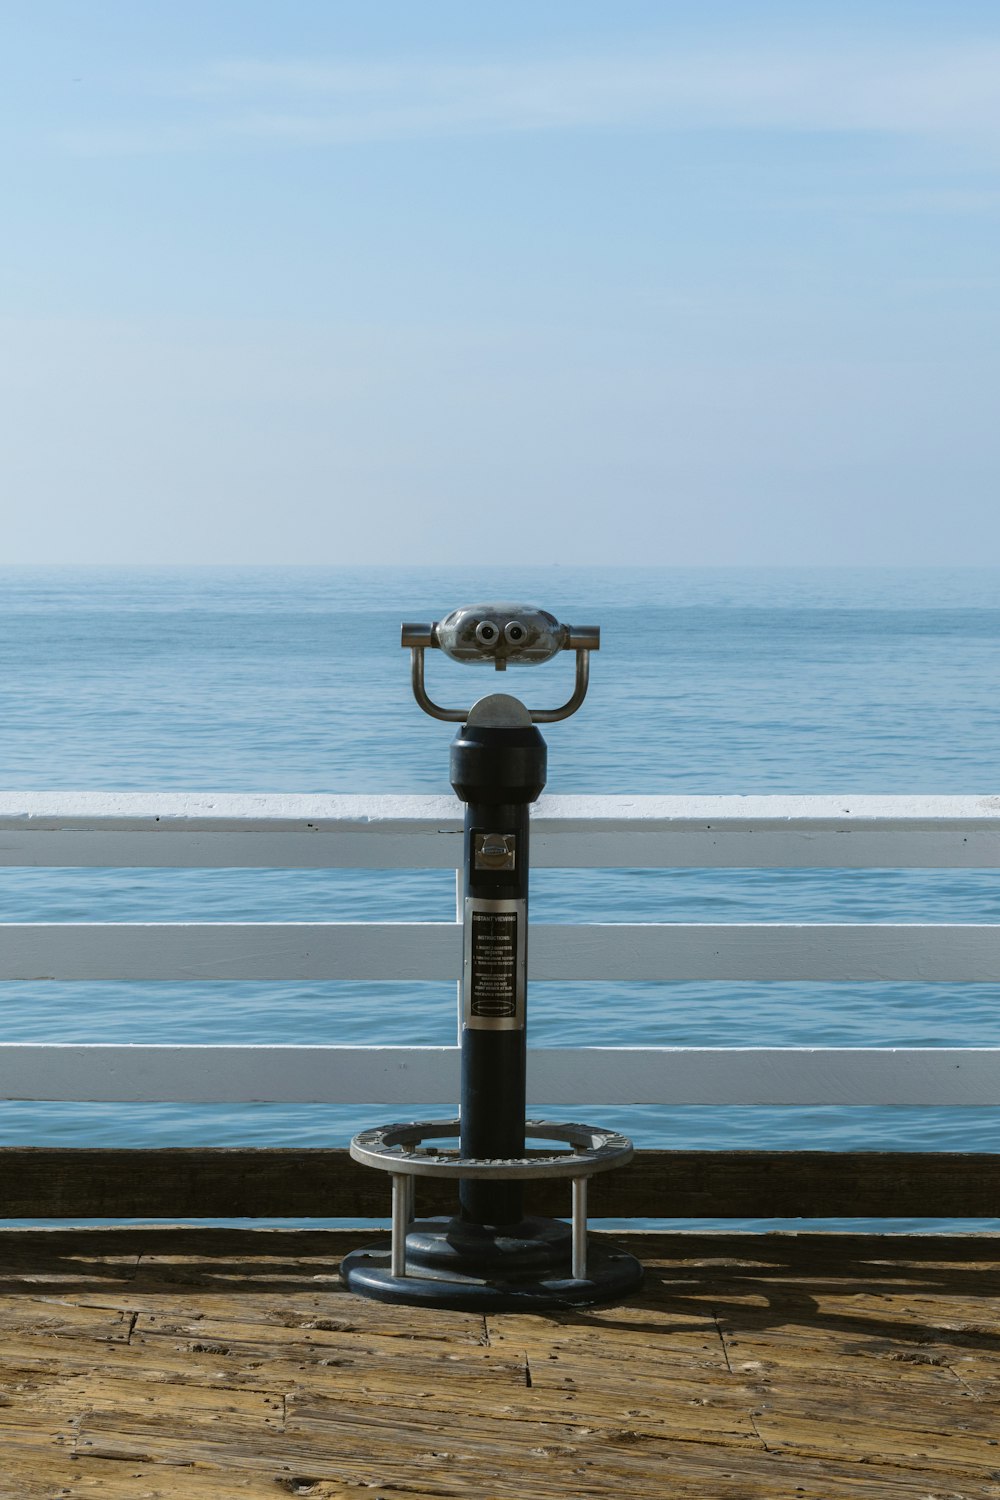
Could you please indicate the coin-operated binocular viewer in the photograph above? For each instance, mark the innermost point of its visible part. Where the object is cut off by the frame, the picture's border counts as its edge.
(490, 1256)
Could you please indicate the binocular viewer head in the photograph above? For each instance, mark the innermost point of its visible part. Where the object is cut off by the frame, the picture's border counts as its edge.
(500, 635)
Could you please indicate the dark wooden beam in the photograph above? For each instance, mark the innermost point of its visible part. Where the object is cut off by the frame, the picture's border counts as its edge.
(43, 1183)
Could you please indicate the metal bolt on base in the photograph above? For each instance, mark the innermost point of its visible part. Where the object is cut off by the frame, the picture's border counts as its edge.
(490, 1255)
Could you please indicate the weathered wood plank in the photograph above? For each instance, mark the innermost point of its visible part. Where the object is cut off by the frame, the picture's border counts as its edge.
(605, 1406)
(315, 1183)
(192, 1403)
(179, 1346)
(33, 1471)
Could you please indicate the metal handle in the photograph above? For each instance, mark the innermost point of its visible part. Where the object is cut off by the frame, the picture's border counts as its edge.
(538, 715)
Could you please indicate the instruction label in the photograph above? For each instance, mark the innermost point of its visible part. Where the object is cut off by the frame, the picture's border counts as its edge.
(494, 971)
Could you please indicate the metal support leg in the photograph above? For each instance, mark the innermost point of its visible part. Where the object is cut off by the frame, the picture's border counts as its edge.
(579, 1267)
(400, 1220)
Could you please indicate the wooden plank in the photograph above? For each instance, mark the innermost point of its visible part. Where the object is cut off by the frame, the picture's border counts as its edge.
(765, 1075)
(35, 1472)
(168, 1354)
(489, 1451)
(151, 1462)
(726, 1403)
(196, 951)
(182, 829)
(246, 1376)
(310, 831)
(940, 1432)
(767, 832)
(192, 1404)
(930, 953)
(367, 1448)
(56, 1320)
(220, 1074)
(710, 848)
(573, 1076)
(61, 1183)
(691, 1415)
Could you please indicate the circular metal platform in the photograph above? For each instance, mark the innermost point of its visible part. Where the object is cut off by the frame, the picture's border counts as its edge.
(538, 1263)
(396, 1148)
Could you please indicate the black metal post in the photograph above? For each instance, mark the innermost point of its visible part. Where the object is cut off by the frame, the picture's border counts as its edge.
(497, 770)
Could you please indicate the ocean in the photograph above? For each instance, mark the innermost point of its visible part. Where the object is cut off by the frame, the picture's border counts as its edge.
(707, 681)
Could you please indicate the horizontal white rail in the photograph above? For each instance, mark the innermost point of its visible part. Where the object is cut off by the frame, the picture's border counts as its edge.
(556, 1076)
(180, 830)
(172, 830)
(605, 952)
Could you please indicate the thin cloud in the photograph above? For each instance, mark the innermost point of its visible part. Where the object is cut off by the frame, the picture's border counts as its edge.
(301, 102)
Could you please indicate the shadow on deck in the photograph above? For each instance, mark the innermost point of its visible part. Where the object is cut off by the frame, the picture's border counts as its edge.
(154, 1362)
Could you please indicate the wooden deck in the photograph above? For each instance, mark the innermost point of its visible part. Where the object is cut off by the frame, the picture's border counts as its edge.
(208, 1364)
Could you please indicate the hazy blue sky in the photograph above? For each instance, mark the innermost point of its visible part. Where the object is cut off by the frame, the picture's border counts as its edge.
(407, 280)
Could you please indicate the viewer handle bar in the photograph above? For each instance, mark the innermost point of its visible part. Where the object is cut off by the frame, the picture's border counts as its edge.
(538, 715)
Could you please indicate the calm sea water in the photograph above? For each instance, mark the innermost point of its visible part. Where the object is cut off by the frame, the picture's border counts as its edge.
(707, 681)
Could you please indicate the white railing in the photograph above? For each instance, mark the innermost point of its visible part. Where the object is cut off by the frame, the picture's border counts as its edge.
(233, 831)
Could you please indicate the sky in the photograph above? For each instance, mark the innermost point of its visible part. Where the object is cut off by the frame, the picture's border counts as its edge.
(549, 281)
